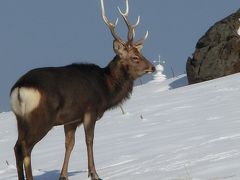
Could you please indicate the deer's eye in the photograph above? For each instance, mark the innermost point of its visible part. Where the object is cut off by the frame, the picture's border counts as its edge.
(135, 59)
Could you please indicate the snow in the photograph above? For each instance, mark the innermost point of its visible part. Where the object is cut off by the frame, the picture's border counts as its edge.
(170, 132)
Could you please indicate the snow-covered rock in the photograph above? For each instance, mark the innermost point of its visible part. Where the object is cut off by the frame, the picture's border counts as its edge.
(158, 75)
(238, 31)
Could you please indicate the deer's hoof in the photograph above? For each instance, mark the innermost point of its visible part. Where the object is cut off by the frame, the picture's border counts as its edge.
(94, 176)
(63, 178)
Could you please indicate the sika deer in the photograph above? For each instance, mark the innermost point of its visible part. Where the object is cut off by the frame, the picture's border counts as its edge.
(73, 95)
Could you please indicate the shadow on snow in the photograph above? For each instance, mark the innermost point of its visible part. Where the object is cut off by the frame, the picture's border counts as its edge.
(179, 83)
(51, 175)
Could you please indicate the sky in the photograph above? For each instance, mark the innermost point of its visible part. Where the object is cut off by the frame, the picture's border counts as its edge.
(58, 32)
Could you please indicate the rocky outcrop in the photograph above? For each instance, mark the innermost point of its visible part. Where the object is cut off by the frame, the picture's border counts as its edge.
(217, 53)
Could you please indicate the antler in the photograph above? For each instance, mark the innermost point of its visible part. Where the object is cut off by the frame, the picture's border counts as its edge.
(131, 28)
(110, 25)
(141, 41)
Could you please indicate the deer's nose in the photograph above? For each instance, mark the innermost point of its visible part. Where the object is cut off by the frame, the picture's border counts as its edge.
(150, 69)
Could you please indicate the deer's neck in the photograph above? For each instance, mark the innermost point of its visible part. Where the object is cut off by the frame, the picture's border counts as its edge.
(119, 82)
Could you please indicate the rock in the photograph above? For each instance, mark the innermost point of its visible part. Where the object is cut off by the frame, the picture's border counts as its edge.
(217, 53)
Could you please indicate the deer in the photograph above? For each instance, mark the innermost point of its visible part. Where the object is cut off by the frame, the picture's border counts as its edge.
(75, 94)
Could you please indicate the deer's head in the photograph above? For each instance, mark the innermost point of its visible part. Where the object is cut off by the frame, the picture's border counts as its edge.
(129, 52)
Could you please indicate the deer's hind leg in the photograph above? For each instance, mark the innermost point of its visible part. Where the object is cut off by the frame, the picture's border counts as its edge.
(19, 159)
(23, 158)
(19, 147)
(30, 132)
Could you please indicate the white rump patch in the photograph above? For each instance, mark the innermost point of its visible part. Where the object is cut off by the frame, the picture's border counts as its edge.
(24, 100)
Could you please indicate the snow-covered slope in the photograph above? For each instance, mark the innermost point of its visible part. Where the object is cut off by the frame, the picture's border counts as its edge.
(191, 132)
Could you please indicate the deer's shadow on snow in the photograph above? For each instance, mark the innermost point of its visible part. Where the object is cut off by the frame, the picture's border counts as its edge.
(54, 175)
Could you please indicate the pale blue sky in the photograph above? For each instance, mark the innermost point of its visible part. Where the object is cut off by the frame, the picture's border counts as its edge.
(37, 33)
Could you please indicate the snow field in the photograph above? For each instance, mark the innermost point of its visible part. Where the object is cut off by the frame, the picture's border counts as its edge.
(168, 133)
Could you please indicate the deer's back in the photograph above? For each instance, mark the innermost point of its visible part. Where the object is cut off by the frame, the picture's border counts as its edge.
(67, 92)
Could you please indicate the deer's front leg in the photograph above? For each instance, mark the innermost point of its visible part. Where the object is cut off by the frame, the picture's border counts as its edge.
(89, 125)
(69, 144)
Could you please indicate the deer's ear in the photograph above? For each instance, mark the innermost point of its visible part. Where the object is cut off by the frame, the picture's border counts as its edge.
(119, 48)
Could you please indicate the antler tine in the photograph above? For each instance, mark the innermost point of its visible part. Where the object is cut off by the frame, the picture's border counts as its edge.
(106, 20)
(141, 41)
(126, 11)
(110, 25)
(131, 28)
